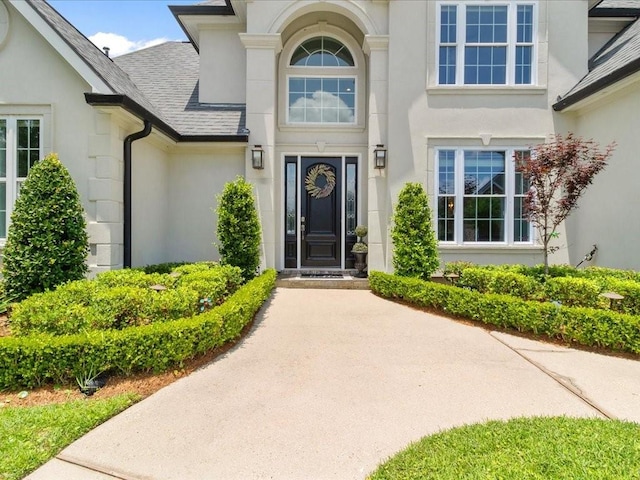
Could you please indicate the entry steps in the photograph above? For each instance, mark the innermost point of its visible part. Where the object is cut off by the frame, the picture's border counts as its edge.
(339, 279)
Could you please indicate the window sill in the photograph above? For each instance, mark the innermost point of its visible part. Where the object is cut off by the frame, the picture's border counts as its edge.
(320, 126)
(501, 247)
(486, 90)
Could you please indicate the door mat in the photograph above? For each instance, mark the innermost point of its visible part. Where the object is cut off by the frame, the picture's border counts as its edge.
(321, 275)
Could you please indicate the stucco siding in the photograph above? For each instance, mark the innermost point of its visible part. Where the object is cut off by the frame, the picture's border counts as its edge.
(150, 203)
(608, 214)
(195, 178)
(222, 66)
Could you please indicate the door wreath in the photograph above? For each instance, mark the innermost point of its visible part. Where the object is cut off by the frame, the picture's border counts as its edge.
(320, 170)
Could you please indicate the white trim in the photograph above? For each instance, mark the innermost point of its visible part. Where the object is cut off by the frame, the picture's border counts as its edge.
(358, 72)
(322, 124)
(458, 214)
(69, 54)
(511, 44)
(11, 159)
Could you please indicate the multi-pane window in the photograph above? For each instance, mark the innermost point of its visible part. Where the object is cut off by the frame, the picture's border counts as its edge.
(491, 43)
(20, 149)
(319, 91)
(480, 197)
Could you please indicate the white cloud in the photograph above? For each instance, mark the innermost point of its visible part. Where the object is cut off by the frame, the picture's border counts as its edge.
(332, 105)
(119, 45)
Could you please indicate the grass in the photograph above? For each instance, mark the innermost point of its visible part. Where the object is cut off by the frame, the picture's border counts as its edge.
(522, 449)
(29, 436)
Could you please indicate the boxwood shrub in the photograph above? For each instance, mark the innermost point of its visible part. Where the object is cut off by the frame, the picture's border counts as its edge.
(585, 326)
(122, 298)
(27, 362)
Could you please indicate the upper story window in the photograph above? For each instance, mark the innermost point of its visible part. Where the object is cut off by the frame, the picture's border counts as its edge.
(20, 149)
(321, 83)
(322, 52)
(491, 43)
(481, 197)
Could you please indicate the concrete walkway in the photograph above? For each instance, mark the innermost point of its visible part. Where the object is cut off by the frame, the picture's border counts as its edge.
(329, 383)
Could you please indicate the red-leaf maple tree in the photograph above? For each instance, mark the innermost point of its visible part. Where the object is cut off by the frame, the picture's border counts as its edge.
(557, 173)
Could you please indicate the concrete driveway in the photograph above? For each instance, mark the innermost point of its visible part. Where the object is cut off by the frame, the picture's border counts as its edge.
(329, 383)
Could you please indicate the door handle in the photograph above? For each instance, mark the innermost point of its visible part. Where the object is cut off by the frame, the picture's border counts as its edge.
(303, 228)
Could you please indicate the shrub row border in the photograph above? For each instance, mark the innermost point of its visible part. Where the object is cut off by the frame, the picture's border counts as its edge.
(27, 362)
(584, 326)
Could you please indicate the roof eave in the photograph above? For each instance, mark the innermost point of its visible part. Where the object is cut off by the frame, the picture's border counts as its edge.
(123, 101)
(614, 12)
(601, 84)
(199, 10)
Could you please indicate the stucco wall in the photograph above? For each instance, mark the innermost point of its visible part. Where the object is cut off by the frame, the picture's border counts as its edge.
(195, 176)
(150, 203)
(608, 214)
(34, 80)
(424, 116)
(222, 65)
(33, 76)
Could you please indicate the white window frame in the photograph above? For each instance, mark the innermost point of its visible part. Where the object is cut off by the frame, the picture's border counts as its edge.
(11, 159)
(512, 31)
(305, 75)
(337, 72)
(458, 215)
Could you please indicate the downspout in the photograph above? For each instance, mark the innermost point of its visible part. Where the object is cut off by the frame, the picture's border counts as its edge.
(127, 189)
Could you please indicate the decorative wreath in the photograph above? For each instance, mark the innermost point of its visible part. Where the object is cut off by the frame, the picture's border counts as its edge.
(330, 181)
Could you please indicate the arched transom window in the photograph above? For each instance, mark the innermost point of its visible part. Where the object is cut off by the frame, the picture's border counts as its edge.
(322, 83)
(322, 52)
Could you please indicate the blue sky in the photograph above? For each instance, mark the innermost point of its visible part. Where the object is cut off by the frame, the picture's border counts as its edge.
(123, 25)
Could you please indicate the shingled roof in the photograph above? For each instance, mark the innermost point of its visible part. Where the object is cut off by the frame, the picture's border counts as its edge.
(169, 104)
(616, 8)
(168, 75)
(618, 59)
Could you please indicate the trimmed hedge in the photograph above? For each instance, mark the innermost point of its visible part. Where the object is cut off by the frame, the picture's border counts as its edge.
(585, 326)
(122, 298)
(567, 285)
(27, 362)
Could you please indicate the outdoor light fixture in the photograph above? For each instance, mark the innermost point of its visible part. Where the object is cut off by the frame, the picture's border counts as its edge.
(257, 157)
(380, 156)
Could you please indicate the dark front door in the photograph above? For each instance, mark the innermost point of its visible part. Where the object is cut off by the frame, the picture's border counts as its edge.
(320, 212)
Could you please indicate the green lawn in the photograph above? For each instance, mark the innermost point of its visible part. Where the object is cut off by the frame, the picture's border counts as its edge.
(29, 436)
(522, 449)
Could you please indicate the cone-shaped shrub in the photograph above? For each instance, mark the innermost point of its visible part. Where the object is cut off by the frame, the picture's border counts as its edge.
(238, 229)
(415, 250)
(47, 242)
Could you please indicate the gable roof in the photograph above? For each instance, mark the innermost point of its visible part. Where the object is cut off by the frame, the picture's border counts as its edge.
(171, 118)
(618, 59)
(168, 75)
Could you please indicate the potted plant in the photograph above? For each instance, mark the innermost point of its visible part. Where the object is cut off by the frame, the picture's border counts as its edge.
(359, 250)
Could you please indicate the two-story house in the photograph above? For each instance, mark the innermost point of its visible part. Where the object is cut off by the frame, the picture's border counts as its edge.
(328, 108)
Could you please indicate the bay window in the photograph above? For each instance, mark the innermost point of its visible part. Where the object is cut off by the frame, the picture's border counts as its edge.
(20, 149)
(480, 197)
(488, 43)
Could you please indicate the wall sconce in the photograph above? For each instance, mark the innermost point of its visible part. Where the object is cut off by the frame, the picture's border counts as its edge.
(380, 156)
(257, 157)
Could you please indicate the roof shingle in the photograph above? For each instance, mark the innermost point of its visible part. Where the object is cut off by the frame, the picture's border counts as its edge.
(162, 80)
(619, 58)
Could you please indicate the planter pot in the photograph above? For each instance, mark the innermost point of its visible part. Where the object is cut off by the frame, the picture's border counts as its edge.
(360, 264)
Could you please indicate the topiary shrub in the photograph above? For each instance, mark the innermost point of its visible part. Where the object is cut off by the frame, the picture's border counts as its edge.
(415, 252)
(238, 229)
(47, 242)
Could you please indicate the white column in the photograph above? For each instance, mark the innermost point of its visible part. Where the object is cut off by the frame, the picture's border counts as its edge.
(377, 48)
(262, 55)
